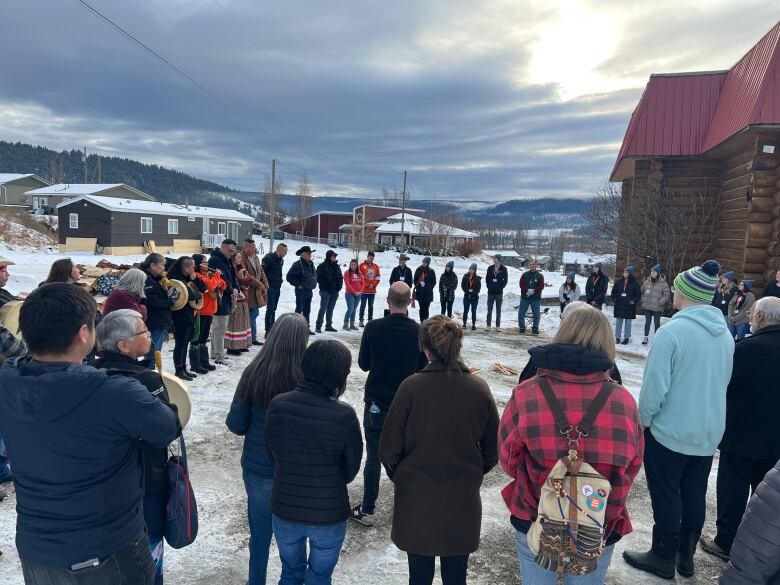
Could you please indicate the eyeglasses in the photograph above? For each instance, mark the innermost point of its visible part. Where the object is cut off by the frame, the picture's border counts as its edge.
(144, 332)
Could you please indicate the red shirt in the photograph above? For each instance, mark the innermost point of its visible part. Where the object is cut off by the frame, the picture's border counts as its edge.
(353, 282)
(530, 443)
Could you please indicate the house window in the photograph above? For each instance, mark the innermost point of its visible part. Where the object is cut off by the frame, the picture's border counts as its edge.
(173, 226)
(221, 227)
(73, 220)
(146, 225)
(232, 230)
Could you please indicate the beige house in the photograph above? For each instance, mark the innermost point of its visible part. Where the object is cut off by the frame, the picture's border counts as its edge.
(13, 187)
(49, 197)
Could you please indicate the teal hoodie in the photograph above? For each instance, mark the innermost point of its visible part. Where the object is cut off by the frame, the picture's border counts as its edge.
(683, 397)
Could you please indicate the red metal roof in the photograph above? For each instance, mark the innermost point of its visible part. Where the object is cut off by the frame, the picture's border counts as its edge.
(687, 114)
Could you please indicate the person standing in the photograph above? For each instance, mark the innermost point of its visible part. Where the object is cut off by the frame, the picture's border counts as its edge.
(724, 293)
(596, 286)
(238, 333)
(749, 448)
(739, 309)
(574, 369)
(158, 302)
(13, 349)
(437, 457)
(222, 259)
(215, 286)
(496, 280)
(402, 273)
(303, 277)
(123, 338)
(313, 512)
(569, 291)
(273, 371)
(128, 293)
(353, 289)
(257, 295)
(687, 372)
(183, 270)
(76, 431)
(656, 295)
(329, 279)
(471, 285)
(424, 284)
(448, 284)
(772, 289)
(626, 293)
(272, 266)
(531, 287)
(370, 271)
(389, 352)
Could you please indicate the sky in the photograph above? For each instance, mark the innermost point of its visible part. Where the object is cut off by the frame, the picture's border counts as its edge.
(482, 100)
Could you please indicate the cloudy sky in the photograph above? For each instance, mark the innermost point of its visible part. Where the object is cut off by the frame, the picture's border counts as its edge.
(477, 99)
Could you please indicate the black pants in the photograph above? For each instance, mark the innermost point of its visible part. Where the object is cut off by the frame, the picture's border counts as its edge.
(652, 316)
(205, 328)
(453, 569)
(678, 488)
(182, 334)
(425, 307)
(270, 308)
(738, 477)
(497, 298)
(372, 427)
(469, 303)
(446, 306)
(132, 564)
(367, 298)
(303, 298)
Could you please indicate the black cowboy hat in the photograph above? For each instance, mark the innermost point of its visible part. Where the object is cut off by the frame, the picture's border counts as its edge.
(304, 249)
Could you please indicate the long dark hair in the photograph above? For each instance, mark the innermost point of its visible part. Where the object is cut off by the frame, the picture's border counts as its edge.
(277, 368)
(177, 269)
(152, 259)
(60, 271)
(327, 362)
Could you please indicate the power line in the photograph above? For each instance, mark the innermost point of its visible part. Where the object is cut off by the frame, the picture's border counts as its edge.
(193, 81)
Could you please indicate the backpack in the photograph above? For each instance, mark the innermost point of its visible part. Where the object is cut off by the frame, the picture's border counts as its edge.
(181, 525)
(568, 535)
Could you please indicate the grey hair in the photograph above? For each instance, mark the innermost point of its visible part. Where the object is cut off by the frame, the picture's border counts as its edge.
(573, 306)
(117, 326)
(133, 281)
(770, 308)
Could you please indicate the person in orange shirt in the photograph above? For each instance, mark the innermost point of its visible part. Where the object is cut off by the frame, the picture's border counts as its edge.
(214, 287)
(370, 271)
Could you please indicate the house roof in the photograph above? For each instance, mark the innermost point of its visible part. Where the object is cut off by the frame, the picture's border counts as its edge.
(687, 114)
(156, 208)
(11, 177)
(76, 189)
(347, 214)
(417, 226)
(584, 259)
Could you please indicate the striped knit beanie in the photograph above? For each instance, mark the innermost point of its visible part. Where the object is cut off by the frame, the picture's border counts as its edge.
(698, 284)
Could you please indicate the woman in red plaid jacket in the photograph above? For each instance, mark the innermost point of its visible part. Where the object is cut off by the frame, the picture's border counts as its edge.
(576, 365)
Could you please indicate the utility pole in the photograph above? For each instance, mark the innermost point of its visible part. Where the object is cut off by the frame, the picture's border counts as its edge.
(84, 158)
(99, 170)
(403, 216)
(272, 221)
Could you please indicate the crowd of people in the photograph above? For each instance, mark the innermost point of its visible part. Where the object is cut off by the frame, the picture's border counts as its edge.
(87, 440)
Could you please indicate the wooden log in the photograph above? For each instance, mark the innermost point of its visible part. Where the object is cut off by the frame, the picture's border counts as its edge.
(760, 217)
(763, 164)
(759, 230)
(774, 263)
(764, 204)
(775, 212)
(739, 182)
(732, 256)
(734, 193)
(756, 255)
(750, 267)
(763, 191)
(755, 242)
(755, 276)
(764, 178)
(777, 183)
(773, 248)
(733, 215)
(728, 233)
(776, 197)
(731, 204)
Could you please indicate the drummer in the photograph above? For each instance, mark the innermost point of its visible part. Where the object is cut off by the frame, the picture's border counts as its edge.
(5, 296)
(123, 338)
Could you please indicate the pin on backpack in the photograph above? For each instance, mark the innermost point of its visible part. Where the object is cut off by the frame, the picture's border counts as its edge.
(568, 535)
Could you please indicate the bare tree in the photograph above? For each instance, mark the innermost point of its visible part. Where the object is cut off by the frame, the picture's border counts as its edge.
(303, 201)
(655, 223)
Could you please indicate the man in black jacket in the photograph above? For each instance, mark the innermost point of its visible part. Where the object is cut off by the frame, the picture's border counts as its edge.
(73, 433)
(303, 277)
(402, 273)
(496, 280)
(222, 259)
(329, 280)
(390, 353)
(272, 265)
(749, 448)
(596, 287)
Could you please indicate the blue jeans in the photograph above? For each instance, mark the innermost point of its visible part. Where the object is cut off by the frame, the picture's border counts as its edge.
(158, 338)
(254, 313)
(5, 469)
(303, 298)
(624, 325)
(367, 298)
(327, 304)
(531, 572)
(352, 304)
(739, 331)
(270, 308)
(325, 542)
(258, 496)
(535, 310)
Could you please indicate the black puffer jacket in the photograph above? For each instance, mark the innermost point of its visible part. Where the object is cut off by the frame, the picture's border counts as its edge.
(424, 293)
(561, 356)
(625, 295)
(316, 446)
(302, 274)
(272, 265)
(329, 277)
(496, 280)
(476, 286)
(218, 261)
(596, 288)
(755, 554)
(158, 305)
(448, 284)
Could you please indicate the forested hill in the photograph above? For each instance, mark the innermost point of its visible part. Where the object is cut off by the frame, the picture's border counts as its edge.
(68, 167)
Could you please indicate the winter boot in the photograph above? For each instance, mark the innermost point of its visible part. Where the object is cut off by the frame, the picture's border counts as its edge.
(318, 330)
(685, 552)
(617, 341)
(473, 327)
(330, 328)
(362, 324)
(353, 328)
(535, 331)
(709, 545)
(203, 350)
(659, 560)
(645, 341)
(195, 364)
(181, 373)
(346, 326)
(522, 330)
(625, 341)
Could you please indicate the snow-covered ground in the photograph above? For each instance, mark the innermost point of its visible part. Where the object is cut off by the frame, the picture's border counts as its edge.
(220, 553)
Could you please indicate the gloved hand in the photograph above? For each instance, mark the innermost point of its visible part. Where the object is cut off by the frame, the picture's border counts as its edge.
(530, 293)
(173, 294)
(566, 298)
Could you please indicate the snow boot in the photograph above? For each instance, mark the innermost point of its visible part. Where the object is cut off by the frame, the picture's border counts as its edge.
(522, 330)
(645, 341)
(361, 323)
(195, 364)
(473, 327)
(625, 341)
(203, 350)
(318, 330)
(709, 545)
(534, 331)
(686, 550)
(353, 328)
(330, 328)
(182, 375)
(233, 352)
(617, 341)
(659, 560)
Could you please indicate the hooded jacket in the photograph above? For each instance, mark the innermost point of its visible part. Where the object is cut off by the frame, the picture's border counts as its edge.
(656, 294)
(123, 299)
(739, 305)
(73, 434)
(329, 276)
(687, 372)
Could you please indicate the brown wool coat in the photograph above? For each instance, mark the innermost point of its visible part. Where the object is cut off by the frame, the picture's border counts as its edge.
(439, 440)
(258, 291)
